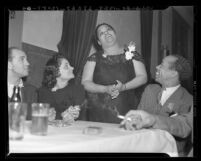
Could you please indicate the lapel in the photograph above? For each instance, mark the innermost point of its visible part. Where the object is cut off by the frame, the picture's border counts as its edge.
(169, 105)
(175, 96)
(158, 93)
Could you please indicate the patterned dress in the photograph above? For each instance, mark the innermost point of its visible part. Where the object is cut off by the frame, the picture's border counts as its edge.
(108, 69)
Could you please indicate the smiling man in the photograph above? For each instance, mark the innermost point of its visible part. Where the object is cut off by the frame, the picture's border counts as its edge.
(169, 106)
(18, 67)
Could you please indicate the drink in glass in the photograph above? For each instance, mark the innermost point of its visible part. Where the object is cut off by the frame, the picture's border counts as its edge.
(39, 118)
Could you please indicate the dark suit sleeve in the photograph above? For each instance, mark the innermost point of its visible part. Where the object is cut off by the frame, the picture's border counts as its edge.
(148, 100)
(180, 125)
(43, 95)
(143, 99)
(31, 97)
(185, 106)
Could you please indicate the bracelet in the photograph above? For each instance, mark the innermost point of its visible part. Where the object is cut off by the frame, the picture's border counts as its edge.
(125, 86)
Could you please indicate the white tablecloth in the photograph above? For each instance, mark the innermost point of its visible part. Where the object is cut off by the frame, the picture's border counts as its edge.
(112, 139)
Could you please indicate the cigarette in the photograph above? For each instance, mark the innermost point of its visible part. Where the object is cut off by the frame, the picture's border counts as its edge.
(122, 117)
(174, 115)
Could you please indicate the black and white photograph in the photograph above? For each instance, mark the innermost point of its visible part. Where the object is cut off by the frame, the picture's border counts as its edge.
(103, 80)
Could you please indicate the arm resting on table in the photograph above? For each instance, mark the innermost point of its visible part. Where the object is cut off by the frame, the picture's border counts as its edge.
(180, 125)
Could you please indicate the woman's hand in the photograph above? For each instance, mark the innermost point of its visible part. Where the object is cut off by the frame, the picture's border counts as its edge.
(114, 94)
(74, 110)
(71, 113)
(111, 90)
(120, 86)
(67, 117)
(51, 114)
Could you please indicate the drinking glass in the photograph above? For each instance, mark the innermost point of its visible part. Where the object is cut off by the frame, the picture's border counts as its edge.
(39, 118)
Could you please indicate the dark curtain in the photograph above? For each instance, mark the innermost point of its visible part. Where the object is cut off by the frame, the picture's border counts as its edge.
(146, 17)
(180, 40)
(76, 39)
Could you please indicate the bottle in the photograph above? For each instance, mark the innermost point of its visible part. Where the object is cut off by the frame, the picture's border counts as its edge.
(16, 95)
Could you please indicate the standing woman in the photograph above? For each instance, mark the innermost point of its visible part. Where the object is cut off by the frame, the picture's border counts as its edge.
(110, 76)
(64, 97)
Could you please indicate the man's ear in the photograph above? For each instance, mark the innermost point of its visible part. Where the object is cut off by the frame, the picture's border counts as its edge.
(10, 65)
(175, 73)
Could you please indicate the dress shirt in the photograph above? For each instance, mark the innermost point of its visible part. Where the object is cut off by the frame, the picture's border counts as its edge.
(167, 93)
(11, 86)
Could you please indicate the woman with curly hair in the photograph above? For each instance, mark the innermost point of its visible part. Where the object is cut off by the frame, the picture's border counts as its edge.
(64, 97)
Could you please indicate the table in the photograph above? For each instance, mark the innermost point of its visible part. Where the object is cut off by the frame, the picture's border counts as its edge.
(112, 139)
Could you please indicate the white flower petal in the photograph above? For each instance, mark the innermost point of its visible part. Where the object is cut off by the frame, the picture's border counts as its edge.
(131, 48)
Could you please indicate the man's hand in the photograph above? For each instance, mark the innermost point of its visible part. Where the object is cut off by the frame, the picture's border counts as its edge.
(138, 119)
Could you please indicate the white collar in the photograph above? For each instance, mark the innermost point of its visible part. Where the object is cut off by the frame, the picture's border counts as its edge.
(20, 84)
(169, 89)
(167, 93)
(11, 86)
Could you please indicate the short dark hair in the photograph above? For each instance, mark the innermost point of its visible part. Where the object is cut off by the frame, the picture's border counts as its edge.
(96, 39)
(10, 52)
(51, 71)
(183, 67)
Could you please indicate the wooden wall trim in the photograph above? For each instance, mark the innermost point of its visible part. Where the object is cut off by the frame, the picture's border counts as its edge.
(36, 49)
(37, 58)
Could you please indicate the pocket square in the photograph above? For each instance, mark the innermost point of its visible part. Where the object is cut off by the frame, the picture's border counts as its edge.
(170, 106)
(171, 111)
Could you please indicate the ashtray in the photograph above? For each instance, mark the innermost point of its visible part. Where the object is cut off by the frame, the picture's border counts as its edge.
(92, 130)
(59, 123)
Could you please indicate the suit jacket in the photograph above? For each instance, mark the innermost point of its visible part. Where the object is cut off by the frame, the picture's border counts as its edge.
(29, 95)
(179, 102)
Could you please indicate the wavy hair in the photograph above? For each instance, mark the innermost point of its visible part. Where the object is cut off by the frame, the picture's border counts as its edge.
(51, 71)
(183, 67)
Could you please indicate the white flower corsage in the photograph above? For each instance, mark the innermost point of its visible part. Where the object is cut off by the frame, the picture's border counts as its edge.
(130, 52)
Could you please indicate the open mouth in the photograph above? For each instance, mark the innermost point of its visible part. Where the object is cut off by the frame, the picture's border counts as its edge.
(109, 37)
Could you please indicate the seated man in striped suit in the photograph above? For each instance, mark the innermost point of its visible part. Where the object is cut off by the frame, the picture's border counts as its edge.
(169, 106)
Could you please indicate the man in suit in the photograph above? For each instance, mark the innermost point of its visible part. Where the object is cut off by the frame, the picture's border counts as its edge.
(169, 106)
(18, 68)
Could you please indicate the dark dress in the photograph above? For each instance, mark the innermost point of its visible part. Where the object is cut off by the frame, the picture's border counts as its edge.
(101, 107)
(61, 99)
